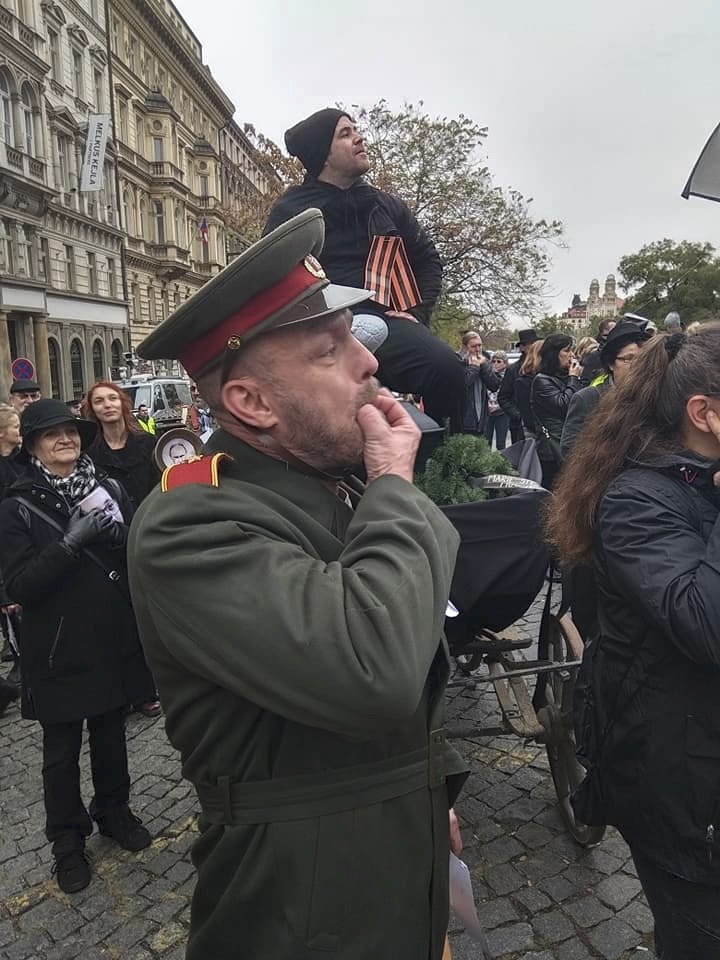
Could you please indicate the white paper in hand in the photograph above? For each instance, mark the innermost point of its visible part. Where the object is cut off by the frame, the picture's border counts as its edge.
(100, 499)
(463, 904)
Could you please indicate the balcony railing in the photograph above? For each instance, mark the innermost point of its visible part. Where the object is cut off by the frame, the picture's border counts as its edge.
(163, 168)
(168, 251)
(28, 166)
(18, 29)
(132, 157)
(14, 158)
(36, 168)
(205, 202)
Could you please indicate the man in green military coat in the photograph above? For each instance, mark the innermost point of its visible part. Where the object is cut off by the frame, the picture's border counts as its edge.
(293, 623)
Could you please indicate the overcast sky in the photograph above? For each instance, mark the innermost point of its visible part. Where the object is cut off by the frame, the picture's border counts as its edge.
(596, 110)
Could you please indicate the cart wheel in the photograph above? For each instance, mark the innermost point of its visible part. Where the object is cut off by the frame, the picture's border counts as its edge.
(467, 662)
(556, 717)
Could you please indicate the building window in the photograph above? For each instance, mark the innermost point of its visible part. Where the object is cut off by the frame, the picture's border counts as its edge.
(7, 260)
(78, 73)
(158, 149)
(112, 289)
(123, 119)
(55, 60)
(135, 297)
(26, 104)
(166, 303)
(204, 185)
(46, 263)
(126, 210)
(132, 53)
(26, 261)
(76, 368)
(151, 304)
(92, 273)
(159, 221)
(99, 93)
(115, 35)
(98, 361)
(143, 220)
(62, 153)
(54, 355)
(179, 239)
(139, 137)
(69, 267)
(116, 358)
(6, 116)
(94, 10)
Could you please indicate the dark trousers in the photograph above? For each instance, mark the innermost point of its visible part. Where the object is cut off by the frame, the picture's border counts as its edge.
(687, 915)
(413, 360)
(516, 431)
(66, 816)
(497, 426)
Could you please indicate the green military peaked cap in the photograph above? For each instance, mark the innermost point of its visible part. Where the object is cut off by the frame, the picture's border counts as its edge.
(275, 282)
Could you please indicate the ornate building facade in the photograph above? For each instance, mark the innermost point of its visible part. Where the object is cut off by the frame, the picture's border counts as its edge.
(244, 183)
(597, 307)
(85, 276)
(61, 294)
(176, 140)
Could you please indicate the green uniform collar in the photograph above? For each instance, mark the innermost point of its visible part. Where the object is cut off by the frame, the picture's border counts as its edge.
(307, 492)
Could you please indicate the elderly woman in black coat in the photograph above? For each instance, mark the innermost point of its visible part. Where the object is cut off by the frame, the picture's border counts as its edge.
(62, 549)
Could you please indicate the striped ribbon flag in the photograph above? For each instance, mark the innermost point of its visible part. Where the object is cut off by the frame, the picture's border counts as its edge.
(389, 274)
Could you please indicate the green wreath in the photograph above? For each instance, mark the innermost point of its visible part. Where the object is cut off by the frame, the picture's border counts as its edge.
(456, 461)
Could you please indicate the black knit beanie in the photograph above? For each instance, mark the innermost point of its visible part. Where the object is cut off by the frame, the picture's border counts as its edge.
(310, 139)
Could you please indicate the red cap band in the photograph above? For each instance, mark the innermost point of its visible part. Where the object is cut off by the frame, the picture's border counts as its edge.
(212, 344)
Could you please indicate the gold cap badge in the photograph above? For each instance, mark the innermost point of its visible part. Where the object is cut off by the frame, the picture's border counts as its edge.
(314, 268)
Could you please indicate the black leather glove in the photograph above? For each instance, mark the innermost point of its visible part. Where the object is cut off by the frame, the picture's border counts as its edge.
(86, 528)
(116, 535)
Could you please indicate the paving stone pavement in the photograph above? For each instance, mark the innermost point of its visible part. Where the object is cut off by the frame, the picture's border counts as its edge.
(539, 895)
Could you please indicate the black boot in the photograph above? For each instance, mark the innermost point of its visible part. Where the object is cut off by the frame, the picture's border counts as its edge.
(71, 867)
(8, 692)
(122, 826)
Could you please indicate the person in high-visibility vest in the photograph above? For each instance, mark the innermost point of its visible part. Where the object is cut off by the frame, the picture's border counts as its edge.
(145, 420)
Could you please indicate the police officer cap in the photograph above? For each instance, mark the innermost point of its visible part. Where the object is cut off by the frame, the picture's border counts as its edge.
(275, 282)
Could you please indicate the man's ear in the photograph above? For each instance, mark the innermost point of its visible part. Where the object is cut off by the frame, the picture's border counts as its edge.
(696, 409)
(250, 402)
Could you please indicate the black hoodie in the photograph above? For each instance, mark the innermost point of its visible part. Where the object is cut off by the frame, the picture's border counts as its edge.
(352, 217)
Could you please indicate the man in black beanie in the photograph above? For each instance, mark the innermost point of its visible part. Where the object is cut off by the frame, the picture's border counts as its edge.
(372, 240)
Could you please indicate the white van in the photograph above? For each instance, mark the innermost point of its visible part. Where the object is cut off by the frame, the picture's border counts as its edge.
(168, 399)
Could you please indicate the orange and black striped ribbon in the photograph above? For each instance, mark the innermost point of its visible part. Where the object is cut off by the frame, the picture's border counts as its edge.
(389, 274)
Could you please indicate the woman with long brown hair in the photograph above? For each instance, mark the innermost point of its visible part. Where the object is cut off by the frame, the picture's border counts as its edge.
(523, 385)
(639, 498)
(121, 448)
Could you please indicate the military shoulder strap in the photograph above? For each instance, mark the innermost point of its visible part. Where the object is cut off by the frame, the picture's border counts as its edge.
(195, 470)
